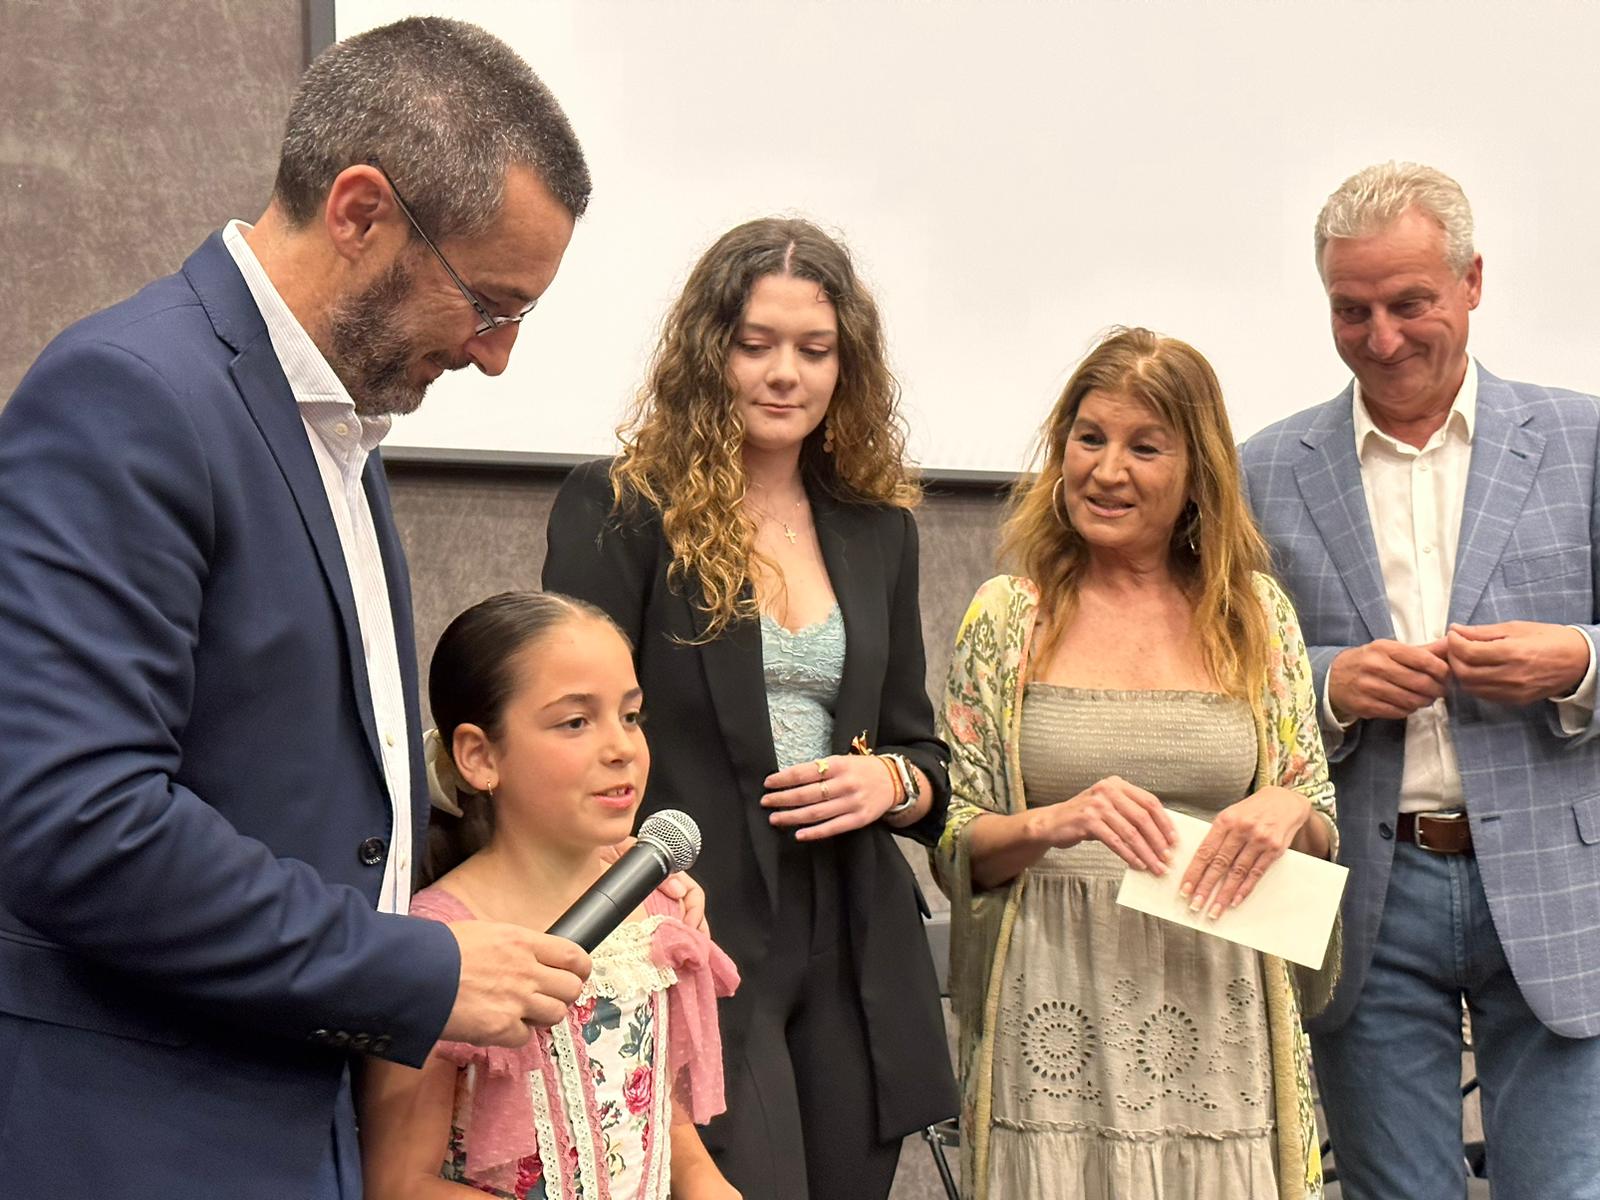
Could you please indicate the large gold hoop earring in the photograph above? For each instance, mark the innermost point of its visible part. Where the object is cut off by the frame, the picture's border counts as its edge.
(1191, 529)
(1055, 503)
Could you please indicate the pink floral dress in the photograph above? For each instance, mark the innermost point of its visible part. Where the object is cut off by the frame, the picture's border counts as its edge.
(582, 1111)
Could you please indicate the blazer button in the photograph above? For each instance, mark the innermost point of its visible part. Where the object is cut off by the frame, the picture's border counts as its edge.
(360, 1042)
(1385, 831)
(380, 1044)
(318, 1035)
(373, 851)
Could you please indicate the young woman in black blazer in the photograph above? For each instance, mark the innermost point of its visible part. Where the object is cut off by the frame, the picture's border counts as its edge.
(755, 540)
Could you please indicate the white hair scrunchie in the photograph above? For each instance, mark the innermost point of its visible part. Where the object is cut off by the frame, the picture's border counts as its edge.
(444, 784)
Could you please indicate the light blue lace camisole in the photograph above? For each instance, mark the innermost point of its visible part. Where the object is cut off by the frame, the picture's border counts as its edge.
(802, 670)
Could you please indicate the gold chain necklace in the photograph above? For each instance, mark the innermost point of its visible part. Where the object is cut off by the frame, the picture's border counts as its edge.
(788, 530)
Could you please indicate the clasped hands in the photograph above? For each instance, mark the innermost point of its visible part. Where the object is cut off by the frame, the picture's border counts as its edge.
(1511, 662)
(1245, 838)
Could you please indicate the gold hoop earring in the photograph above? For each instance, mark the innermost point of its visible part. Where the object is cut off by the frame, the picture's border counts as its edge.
(1191, 529)
(1055, 503)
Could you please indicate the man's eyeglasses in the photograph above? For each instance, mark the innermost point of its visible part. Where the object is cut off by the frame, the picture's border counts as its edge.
(488, 322)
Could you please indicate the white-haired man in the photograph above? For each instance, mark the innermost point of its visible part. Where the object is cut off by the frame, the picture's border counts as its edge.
(1436, 527)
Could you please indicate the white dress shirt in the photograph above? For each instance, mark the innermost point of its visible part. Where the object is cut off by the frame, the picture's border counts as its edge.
(1414, 501)
(340, 442)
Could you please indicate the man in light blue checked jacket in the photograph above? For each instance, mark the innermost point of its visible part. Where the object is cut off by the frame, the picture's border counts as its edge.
(1436, 527)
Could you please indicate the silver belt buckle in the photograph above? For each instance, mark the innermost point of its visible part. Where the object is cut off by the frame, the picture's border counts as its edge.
(1418, 829)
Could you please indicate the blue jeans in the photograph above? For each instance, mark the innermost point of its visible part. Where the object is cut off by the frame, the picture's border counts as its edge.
(1390, 1077)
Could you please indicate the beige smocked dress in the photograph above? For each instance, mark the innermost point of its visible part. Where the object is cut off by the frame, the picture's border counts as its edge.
(1139, 1063)
(1078, 1060)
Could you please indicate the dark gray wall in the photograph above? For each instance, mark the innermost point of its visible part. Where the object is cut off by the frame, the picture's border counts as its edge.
(133, 128)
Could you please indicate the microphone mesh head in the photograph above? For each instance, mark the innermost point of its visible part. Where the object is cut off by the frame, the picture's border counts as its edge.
(675, 834)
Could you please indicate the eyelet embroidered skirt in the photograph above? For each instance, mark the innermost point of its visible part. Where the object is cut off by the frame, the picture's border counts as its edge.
(1132, 1060)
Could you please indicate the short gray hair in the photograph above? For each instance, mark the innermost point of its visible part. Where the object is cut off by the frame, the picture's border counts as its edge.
(445, 108)
(1373, 198)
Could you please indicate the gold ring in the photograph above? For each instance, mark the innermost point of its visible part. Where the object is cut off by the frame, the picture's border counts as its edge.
(822, 766)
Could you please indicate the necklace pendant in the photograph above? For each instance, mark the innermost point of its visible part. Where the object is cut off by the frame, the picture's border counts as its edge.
(788, 533)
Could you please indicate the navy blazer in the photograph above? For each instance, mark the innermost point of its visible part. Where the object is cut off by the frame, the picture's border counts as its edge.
(711, 748)
(192, 807)
(1530, 525)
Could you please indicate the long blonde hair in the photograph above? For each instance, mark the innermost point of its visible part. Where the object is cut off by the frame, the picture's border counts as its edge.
(1176, 382)
(682, 441)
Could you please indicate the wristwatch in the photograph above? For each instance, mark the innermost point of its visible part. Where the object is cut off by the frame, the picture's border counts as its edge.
(908, 783)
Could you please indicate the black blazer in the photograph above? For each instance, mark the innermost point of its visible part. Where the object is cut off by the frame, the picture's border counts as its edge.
(711, 747)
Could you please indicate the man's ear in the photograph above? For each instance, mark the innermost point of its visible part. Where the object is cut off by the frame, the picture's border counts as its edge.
(361, 216)
(1473, 277)
(475, 758)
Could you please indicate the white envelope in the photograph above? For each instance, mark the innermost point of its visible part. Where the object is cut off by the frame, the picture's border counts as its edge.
(1290, 913)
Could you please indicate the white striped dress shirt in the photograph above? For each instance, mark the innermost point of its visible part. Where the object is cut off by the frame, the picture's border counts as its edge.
(341, 441)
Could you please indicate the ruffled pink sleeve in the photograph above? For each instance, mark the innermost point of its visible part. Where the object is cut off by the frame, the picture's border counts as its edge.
(694, 1041)
(500, 1130)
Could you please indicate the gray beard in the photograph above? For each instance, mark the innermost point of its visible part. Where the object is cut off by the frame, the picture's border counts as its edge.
(368, 351)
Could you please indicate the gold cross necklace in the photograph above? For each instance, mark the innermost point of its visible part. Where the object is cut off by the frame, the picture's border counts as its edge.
(788, 530)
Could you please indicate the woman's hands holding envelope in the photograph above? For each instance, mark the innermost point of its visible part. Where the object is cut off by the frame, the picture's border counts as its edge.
(1245, 839)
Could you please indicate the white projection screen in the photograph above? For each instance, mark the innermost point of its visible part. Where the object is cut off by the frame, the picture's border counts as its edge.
(1014, 176)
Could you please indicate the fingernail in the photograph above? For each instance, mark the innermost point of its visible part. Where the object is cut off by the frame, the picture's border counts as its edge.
(1216, 911)
(1186, 889)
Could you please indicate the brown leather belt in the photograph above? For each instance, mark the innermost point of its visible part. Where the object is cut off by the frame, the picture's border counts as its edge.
(1442, 833)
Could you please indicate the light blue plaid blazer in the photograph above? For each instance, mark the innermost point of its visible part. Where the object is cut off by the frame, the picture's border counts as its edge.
(1529, 527)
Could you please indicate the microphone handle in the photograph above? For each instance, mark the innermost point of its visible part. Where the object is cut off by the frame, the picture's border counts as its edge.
(613, 896)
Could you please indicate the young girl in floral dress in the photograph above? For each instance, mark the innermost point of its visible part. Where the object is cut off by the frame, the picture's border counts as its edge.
(540, 746)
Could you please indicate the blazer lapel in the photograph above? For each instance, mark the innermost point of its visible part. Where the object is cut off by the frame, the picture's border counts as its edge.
(856, 577)
(734, 673)
(1329, 478)
(1505, 459)
(259, 377)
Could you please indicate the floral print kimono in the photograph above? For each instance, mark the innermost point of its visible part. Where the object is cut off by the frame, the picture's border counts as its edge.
(981, 719)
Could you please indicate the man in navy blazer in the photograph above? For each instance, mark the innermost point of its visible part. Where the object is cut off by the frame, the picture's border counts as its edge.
(1437, 529)
(210, 781)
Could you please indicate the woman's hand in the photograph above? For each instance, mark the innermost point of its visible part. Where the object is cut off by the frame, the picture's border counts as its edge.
(1126, 819)
(1245, 839)
(1118, 814)
(825, 797)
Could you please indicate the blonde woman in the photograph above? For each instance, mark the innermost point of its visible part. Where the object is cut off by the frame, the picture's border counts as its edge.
(754, 539)
(1142, 662)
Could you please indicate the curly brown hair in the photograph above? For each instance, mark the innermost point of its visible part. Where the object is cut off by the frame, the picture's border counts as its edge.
(1175, 381)
(682, 441)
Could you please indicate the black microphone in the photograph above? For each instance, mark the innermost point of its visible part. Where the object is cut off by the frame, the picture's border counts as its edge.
(668, 841)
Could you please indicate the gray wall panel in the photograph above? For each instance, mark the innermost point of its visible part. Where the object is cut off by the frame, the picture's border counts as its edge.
(133, 128)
